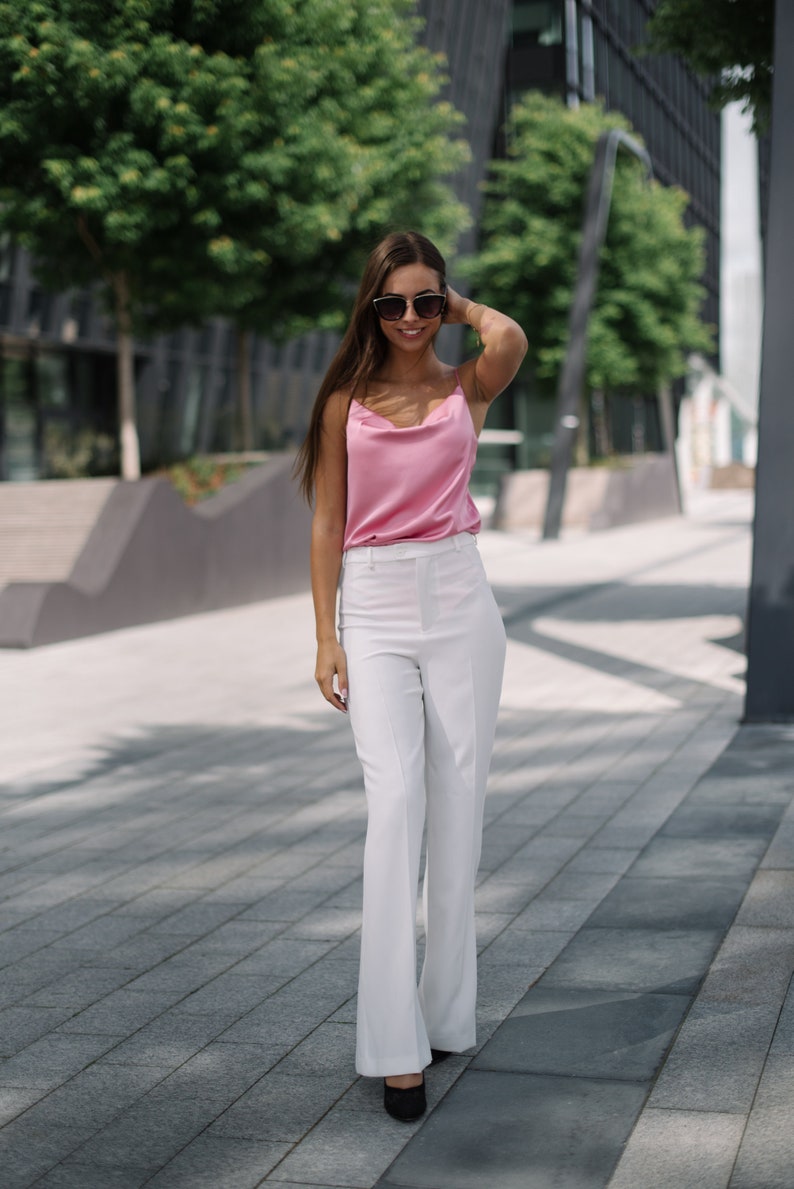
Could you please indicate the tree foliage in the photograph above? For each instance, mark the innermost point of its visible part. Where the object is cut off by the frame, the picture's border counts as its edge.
(217, 156)
(645, 316)
(731, 40)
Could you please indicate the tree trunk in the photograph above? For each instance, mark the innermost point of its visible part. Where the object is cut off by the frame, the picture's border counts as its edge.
(582, 444)
(128, 431)
(667, 419)
(245, 418)
(600, 427)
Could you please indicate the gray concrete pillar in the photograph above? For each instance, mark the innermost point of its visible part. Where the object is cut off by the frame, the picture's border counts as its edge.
(770, 644)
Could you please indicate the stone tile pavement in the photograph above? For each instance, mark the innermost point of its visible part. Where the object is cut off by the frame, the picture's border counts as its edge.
(182, 826)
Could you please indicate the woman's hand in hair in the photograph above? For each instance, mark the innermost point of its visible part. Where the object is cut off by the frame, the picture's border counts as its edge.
(455, 312)
(503, 343)
(332, 662)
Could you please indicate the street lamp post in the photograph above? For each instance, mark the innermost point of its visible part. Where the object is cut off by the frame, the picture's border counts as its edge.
(599, 198)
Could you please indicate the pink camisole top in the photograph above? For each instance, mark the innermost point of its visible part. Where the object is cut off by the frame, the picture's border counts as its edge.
(410, 484)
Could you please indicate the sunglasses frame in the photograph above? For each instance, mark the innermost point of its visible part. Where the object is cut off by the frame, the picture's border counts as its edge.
(406, 303)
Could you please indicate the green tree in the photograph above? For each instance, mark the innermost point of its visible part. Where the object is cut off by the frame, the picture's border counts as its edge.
(645, 318)
(339, 92)
(730, 40)
(220, 156)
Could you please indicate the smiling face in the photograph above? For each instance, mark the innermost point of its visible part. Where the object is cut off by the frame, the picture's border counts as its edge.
(411, 333)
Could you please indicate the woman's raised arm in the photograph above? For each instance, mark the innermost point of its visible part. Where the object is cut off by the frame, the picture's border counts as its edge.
(504, 346)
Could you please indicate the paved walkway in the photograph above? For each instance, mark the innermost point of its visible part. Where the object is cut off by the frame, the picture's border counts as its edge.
(182, 827)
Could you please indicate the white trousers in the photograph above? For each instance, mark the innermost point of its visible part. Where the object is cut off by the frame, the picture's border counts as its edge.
(425, 648)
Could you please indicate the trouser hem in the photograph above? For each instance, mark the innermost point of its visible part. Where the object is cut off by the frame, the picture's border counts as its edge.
(393, 1066)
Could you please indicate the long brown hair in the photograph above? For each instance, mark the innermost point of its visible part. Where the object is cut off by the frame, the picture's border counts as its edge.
(364, 348)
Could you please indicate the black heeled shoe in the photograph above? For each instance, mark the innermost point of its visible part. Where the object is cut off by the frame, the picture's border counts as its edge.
(439, 1055)
(405, 1105)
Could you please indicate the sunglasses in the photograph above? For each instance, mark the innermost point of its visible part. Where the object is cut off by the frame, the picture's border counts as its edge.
(426, 305)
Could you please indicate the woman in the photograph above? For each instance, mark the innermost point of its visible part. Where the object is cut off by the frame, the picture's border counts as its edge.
(388, 456)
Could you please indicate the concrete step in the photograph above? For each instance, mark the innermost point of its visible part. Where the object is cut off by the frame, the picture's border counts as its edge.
(44, 526)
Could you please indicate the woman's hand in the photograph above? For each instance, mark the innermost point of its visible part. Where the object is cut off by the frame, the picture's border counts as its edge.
(456, 308)
(332, 662)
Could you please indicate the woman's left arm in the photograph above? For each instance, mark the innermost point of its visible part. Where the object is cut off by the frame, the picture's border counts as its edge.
(504, 345)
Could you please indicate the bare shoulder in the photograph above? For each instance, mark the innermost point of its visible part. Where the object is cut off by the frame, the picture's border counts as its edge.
(336, 409)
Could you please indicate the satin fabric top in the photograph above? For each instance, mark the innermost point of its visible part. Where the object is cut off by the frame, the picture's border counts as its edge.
(410, 484)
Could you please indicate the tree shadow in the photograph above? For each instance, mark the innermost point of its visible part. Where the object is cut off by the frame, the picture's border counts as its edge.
(168, 750)
(618, 602)
(614, 602)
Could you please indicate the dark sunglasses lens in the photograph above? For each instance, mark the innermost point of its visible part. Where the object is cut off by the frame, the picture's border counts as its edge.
(429, 305)
(390, 308)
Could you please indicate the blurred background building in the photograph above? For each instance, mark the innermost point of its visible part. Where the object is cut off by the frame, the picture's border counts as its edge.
(57, 364)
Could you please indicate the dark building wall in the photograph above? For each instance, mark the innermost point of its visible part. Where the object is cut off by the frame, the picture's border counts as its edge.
(668, 105)
(472, 35)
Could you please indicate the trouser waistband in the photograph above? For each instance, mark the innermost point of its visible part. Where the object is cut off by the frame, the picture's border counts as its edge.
(402, 550)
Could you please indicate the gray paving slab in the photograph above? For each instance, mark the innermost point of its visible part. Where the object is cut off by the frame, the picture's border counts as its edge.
(753, 965)
(668, 961)
(714, 820)
(52, 1059)
(86, 1176)
(611, 1035)
(685, 1149)
(540, 948)
(770, 900)
(547, 912)
(679, 857)
(220, 1071)
(674, 902)
(21, 1025)
(718, 1058)
(780, 855)
(27, 1150)
(213, 1160)
(14, 1100)
(119, 1013)
(764, 1158)
(347, 1148)
(531, 1132)
(279, 1184)
(765, 1154)
(284, 1106)
(171, 1039)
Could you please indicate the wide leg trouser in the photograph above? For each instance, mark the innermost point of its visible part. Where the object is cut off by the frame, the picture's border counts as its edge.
(425, 648)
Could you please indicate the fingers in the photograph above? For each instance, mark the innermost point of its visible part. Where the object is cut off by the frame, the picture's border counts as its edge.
(326, 684)
(341, 674)
(456, 306)
(327, 669)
